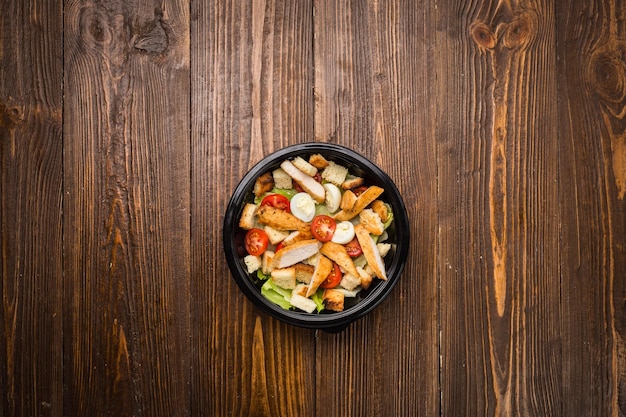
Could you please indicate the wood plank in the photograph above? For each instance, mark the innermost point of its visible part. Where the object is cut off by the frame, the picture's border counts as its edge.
(373, 91)
(126, 208)
(31, 175)
(251, 95)
(592, 148)
(498, 220)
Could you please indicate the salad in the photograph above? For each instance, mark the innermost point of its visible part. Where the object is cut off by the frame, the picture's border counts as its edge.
(315, 234)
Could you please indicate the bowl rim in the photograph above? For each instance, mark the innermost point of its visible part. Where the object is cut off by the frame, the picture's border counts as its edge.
(335, 321)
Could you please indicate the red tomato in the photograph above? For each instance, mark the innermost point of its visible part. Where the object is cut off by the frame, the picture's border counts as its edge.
(277, 201)
(323, 227)
(353, 248)
(280, 246)
(333, 279)
(256, 241)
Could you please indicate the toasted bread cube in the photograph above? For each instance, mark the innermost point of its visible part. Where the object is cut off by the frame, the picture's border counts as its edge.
(267, 262)
(282, 180)
(304, 272)
(304, 166)
(275, 236)
(383, 248)
(300, 290)
(366, 276)
(335, 173)
(246, 221)
(263, 184)
(352, 182)
(318, 161)
(372, 222)
(284, 277)
(350, 282)
(253, 263)
(333, 300)
(303, 303)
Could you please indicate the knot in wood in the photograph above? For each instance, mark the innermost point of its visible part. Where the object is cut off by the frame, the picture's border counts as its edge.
(520, 31)
(10, 116)
(94, 27)
(155, 41)
(483, 35)
(607, 73)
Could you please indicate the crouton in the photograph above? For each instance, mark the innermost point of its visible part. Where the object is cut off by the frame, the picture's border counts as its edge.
(246, 221)
(335, 173)
(253, 263)
(299, 290)
(333, 300)
(304, 272)
(282, 180)
(263, 184)
(304, 166)
(284, 277)
(275, 236)
(371, 221)
(349, 281)
(365, 276)
(383, 248)
(303, 303)
(318, 161)
(267, 262)
(352, 182)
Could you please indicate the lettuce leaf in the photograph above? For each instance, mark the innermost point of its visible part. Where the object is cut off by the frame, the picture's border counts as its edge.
(318, 299)
(276, 294)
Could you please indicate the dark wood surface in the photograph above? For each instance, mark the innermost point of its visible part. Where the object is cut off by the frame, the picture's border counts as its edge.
(125, 125)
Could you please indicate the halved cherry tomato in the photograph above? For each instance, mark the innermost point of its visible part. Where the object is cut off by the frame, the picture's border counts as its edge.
(256, 241)
(280, 245)
(277, 201)
(333, 279)
(353, 248)
(323, 227)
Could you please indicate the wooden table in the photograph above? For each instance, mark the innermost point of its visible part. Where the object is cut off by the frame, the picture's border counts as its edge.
(125, 125)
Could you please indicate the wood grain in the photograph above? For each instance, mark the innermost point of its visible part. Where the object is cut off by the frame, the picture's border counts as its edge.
(372, 83)
(593, 125)
(126, 208)
(251, 95)
(31, 179)
(499, 245)
(125, 125)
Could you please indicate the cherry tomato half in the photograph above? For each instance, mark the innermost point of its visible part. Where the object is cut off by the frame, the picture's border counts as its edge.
(277, 201)
(256, 241)
(280, 246)
(333, 279)
(323, 227)
(353, 248)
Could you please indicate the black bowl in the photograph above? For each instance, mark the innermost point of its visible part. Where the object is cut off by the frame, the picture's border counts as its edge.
(368, 299)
